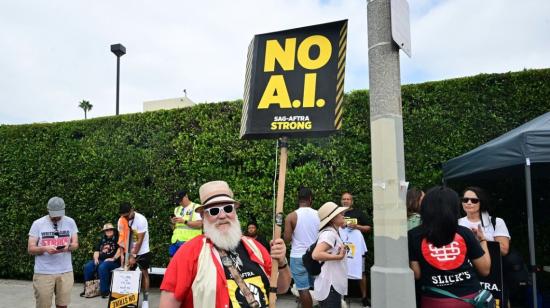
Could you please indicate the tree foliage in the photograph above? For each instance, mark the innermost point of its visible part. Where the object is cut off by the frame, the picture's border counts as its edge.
(86, 106)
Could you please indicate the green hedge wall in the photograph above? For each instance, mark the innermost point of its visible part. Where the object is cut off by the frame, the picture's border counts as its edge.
(144, 158)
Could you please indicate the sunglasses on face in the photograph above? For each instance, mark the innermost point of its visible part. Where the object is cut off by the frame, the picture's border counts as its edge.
(214, 211)
(473, 200)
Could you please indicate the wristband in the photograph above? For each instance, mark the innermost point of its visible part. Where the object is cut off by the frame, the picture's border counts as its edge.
(483, 240)
(285, 265)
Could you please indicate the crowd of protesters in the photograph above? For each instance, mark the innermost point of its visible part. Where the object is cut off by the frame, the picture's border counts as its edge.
(214, 263)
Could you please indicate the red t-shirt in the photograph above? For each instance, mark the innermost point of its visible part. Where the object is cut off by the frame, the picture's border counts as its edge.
(181, 271)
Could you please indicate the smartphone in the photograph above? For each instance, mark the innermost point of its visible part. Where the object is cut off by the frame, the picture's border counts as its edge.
(60, 247)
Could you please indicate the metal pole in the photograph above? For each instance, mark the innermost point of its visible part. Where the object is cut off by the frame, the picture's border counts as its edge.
(530, 229)
(117, 80)
(391, 270)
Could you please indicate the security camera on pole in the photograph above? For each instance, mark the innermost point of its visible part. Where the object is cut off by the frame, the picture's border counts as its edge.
(388, 30)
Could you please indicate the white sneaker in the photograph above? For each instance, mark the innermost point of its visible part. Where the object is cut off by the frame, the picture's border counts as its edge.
(145, 304)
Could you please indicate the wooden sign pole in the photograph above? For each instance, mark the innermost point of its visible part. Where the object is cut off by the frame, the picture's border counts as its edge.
(283, 145)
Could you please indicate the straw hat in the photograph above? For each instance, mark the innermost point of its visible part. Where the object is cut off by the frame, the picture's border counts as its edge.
(328, 211)
(215, 192)
(108, 226)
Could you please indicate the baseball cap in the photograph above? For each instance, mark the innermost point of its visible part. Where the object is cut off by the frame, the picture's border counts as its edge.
(179, 196)
(56, 207)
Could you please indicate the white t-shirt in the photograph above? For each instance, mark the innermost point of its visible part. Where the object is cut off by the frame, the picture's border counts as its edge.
(305, 232)
(488, 230)
(354, 239)
(43, 229)
(139, 225)
(333, 273)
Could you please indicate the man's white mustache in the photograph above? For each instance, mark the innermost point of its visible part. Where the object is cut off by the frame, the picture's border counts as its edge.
(219, 223)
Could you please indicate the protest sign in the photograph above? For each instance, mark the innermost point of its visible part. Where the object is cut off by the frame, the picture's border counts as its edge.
(493, 282)
(125, 289)
(295, 82)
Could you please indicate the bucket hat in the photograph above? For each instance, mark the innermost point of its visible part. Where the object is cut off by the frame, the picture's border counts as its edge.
(108, 226)
(328, 211)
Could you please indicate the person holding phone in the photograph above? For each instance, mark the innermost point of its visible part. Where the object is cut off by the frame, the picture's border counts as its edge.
(185, 221)
(52, 238)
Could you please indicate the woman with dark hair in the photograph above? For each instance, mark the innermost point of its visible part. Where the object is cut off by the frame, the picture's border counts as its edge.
(414, 199)
(475, 204)
(443, 255)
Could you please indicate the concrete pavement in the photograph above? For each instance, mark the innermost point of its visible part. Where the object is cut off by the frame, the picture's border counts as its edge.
(20, 294)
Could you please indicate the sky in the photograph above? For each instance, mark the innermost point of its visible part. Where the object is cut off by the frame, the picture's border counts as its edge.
(54, 54)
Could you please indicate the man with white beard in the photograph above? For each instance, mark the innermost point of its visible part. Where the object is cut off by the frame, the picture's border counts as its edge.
(222, 267)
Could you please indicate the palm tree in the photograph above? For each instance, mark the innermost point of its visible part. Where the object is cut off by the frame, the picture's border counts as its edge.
(86, 106)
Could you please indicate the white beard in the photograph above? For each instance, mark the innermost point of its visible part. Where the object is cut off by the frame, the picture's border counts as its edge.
(227, 240)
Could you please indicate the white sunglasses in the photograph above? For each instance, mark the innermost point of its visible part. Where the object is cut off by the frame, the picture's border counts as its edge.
(215, 211)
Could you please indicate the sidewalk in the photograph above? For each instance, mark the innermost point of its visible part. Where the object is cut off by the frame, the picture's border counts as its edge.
(20, 294)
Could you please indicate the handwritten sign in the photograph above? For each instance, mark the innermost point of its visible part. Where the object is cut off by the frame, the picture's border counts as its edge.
(125, 289)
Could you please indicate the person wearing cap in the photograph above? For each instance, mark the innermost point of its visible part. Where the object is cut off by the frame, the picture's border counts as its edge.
(105, 259)
(332, 283)
(134, 241)
(186, 222)
(215, 269)
(52, 238)
(301, 227)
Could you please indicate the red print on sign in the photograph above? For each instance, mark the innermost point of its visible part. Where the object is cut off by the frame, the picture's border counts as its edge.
(447, 257)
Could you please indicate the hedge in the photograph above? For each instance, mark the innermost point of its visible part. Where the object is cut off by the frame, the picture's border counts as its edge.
(144, 158)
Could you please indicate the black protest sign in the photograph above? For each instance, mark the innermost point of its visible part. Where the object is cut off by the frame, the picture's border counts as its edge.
(493, 282)
(294, 83)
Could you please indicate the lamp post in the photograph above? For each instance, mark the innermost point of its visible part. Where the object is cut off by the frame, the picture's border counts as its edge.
(119, 50)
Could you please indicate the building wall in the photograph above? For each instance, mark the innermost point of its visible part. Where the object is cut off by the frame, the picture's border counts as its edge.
(171, 103)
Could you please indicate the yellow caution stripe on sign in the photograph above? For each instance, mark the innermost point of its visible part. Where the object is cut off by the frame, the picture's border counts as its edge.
(124, 301)
(340, 77)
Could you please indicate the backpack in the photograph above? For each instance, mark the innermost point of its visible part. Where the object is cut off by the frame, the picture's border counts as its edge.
(313, 267)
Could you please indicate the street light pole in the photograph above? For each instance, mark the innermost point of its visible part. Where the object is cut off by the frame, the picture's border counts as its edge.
(392, 279)
(119, 50)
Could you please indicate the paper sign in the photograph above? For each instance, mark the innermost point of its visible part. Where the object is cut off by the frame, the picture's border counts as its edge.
(125, 289)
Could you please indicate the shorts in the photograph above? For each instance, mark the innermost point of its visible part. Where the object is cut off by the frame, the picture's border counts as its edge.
(143, 261)
(46, 285)
(173, 248)
(302, 279)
